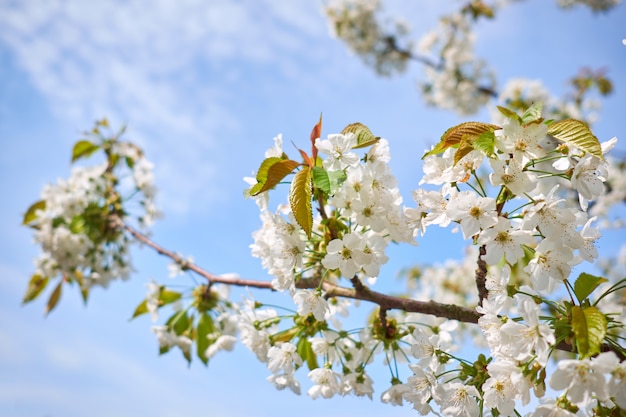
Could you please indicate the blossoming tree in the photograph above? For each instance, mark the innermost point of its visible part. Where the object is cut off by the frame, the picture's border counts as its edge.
(529, 191)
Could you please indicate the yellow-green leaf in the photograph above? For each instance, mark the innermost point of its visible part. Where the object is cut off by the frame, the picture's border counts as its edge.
(271, 171)
(589, 326)
(84, 291)
(31, 214)
(142, 308)
(36, 285)
(509, 114)
(533, 113)
(83, 148)
(577, 133)
(364, 136)
(168, 296)
(467, 131)
(300, 199)
(277, 172)
(285, 335)
(54, 297)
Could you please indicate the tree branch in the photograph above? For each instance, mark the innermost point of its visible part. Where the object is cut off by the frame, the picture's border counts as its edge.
(115, 221)
(481, 275)
(360, 292)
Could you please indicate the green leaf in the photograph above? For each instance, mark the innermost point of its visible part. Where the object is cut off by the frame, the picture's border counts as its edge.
(328, 182)
(585, 284)
(77, 224)
(589, 326)
(577, 133)
(467, 132)
(83, 148)
(142, 308)
(205, 327)
(364, 136)
(36, 285)
(510, 114)
(179, 322)
(321, 179)
(168, 296)
(31, 213)
(54, 298)
(300, 199)
(305, 350)
(533, 113)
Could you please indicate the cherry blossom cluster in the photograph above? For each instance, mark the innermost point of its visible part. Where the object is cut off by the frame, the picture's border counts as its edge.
(520, 93)
(508, 196)
(460, 81)
(356, 23)
(366, 212)
(74, 222)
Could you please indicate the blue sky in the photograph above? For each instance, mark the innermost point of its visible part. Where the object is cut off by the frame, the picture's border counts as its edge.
(204, 87)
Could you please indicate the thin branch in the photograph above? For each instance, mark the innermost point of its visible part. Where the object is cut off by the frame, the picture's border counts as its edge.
(360, 292)
(117, 222)
(481, 275)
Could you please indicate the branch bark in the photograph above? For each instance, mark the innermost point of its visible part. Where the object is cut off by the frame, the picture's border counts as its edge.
(359, 292)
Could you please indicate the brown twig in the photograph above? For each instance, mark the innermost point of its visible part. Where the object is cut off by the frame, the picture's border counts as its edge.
(359, 292)
(481, 275)
(116, 221)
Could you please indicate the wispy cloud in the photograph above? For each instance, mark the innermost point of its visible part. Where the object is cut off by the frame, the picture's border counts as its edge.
(163, 67)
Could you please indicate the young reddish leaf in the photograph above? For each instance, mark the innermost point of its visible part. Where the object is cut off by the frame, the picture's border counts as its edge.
(364, 136)
(300, 199)
(315, 133)
(36, 285)
(306, 158)
(31, 214)
(54, 298)
(83, 148)
(576, 133)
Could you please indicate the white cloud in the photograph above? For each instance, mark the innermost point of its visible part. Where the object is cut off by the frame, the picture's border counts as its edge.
(159, 67)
